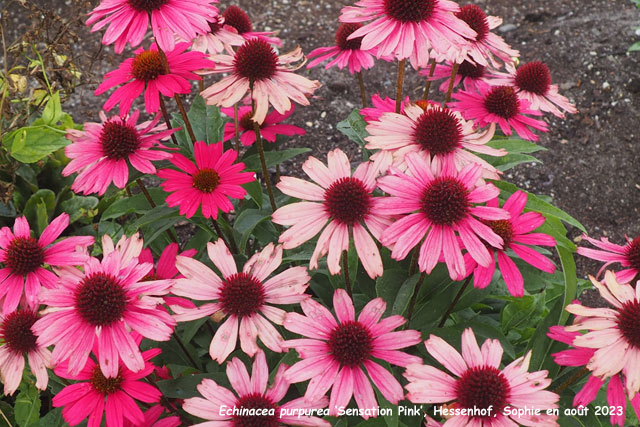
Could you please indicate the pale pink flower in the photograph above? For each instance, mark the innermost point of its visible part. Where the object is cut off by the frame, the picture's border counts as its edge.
(335, 352)
(238, 19)
(347, 52)
(533, 83)
(468, 74)
(218, 38)
(128, 20)
(501, 105)
(251, 392)
(102, 152)
(435, 205)
(270, 128)
(411, 30)
(246, 298)
(478, 382)
(516, 232)
(341, 201)
(436, 132)
(628, 256)
(612, 332)
(24, 259)
(380, 106)
(100, 305)
(19, 341)
(255, 67)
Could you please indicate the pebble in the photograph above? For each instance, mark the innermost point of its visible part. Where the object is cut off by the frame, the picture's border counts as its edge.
(507, 28)
(606, 85)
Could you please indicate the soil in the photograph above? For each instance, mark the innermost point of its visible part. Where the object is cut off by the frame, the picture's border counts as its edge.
(592, 165)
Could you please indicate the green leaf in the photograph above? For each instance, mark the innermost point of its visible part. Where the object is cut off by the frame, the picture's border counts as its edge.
(27, 405)
(509, 161)
(388, 284)
(135, 204)
(254, 190)
(185, 387)
(77, 206)
(404, 295)
(52, 419)
(246, 222)
(34, 143)
(6, 415)
(154, 216)
(272, 158)
(354, 128)
(39, 208)
(52, 112)
(206, 121)
(515, 146)
(634, 47)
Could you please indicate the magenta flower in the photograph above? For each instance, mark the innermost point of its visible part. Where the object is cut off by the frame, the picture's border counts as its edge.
(435, 132)
(381, 106)
(533, 83)
(24, 258)
(515, 232)
(437, 204)
(407, 29)
(152, 419)
(18, 340)
(100, 305)
(101, 150)
(470, 75)
(269, 129)
(335, 353)
(252, 393)
(128, 20)
(166, 268)
(340, 201)
(479, 383)
(207, 184)
(240, 21)
(501, 105)
(218, 38)
(255, 67)
(347, 52)
(95, 394)
(153, 73)
(246, 297)
(628, 256)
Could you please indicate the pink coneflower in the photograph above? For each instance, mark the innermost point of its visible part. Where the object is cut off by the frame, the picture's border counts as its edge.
(439, 133)
(100, 305)
(613, 332)
(255, 67)
(347, 52)
(628, 256)
(240, 21)
(251, 393)
(341, 201)
(24, 258)
(479, 383)
(335, 352)
(438, 204)
(207, 184)
(218, 38)
(269, 129)
(580, 356)
(100, 151)
(245, 297)
(380, 106)
(153, 73)
(166, 268)
(468, 74)
(532, 82)
(128, 20)
(501, 105)
(95, 394)
(515, 232)
(18, 340)
(408, 29)
(152, 419)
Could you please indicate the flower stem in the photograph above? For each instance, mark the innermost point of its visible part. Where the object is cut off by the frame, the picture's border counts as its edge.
(454, 71)
(414, 297)
(427, 85)
(265, 171)
(236, 128)
(165, 114)
(362, 91)
(184, 349)
(454, 302)
(187, 122)
(153, 205)
(572, 380)
(400, 83)
(201, 84)
(231, 244)
(413, 265)
(277, 147)
(345, 269)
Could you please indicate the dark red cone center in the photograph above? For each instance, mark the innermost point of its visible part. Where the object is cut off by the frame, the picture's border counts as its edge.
(350, 343)
(16, 331)
(267, 409)
(445, 201)
(633, 253)
(241, 294)
(502, 101)
(206, 180)
(409, 10)
(147, 5)
(104, 385)
(438, 131)
(148, 65)
(504, 229)
(238, 19)
(347, 200)
(629, 323)
(100, 299)
(214, 26)
(24, 255)
(467, 69)
(481, 387)
(534, 77)
(118, 139)
(344, 31)
(476, 19)
(245, 122)
(255, 60)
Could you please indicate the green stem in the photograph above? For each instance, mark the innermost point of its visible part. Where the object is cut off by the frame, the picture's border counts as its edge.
(345, 270)
(185, 118)
(454, 302)
(153, 205)
(231, 243)
(414, 297)
(236, 128)
(184, 349)
(572, 380)
(165, 114)
(263, 162)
